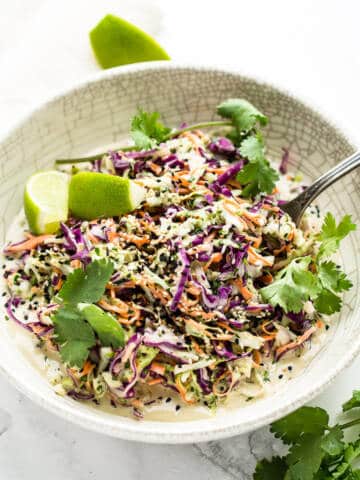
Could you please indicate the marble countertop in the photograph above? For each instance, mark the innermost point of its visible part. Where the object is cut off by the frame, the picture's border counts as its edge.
(308, 47)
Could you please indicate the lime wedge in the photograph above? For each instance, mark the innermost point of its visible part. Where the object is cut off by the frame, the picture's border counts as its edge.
(46, 201)
(93, 195)
(118, 42)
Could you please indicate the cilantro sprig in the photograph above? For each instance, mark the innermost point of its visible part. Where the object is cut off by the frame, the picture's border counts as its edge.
(317, 451)
(293, 286)
(87, 286)
(257, 176)
(243, 119)
(297, 282)
(78, 322)
(147, 131)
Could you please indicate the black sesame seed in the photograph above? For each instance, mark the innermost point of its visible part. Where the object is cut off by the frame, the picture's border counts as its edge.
(168, 400)
(289, 368)
(177, 408)
(281, 376)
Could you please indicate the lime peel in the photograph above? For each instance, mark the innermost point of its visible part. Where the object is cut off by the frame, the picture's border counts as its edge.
(46, 201)
(118, 42)
(94, 195)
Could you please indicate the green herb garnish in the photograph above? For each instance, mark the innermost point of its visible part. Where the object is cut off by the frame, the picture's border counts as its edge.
(77, 320)
(295, 284)
(87, 286)
(257, 176)
(147, 131)
(317, 451)
(74, 335)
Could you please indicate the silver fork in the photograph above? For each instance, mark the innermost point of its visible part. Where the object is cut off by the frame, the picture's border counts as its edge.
(296, 207)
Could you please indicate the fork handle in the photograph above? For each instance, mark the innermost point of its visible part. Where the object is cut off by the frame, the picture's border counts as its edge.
(343, 168)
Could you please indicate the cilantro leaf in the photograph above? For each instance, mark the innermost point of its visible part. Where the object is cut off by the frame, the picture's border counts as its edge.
(327, 302)
(258, 177)
(354, 401)
(317, 451)
(332, 277)
(147, 131)
(87, 286)
(269, 470)
(292, 286)
(305, 420)
(305, 456)
(352, 451)
(332, 443)
(73, 334)
(331, 235)
(253, 148)
(107, 328)
(243, 115)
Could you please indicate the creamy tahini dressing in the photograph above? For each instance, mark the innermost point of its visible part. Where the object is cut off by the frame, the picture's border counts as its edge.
(169, 407)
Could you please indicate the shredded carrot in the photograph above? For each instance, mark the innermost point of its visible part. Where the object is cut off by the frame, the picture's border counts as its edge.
(158, 368)
(266, 278)
(320, 324)
(29, 244)
(270, 208)
(277, 251)
(138, 241)
(59, 284)
(226, 326)
(197, 348)
(256, 241)
(111, 235)
(154, 168)
(245, 292)
(291, 235)
(253, 217)
(154, 381)
(257, 357)
(87, 368)
(182, 391)
(215, 258)
(267, 338)
(137, 403)
(280, 351)
(263, 328)
(193, 290)
(121, 308)
(218, 171)
(255, 257)
(179, 177)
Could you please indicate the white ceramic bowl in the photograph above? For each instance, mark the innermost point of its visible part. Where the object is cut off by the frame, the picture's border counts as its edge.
(96, 113)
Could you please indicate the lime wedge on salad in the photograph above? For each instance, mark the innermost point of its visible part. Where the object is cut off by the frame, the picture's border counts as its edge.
(118, 42)
(93, 195)
(46, 201)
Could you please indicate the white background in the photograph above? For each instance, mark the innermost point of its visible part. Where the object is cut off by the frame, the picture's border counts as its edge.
(309, 47)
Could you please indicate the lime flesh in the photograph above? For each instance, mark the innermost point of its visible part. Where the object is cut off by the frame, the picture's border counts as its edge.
(118, 42)
(94, 195)
(46, 201)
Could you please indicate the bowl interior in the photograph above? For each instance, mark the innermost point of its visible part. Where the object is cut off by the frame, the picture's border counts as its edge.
(97, 114)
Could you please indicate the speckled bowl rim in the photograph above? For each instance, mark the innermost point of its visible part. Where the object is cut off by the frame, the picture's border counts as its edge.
(198, 430)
